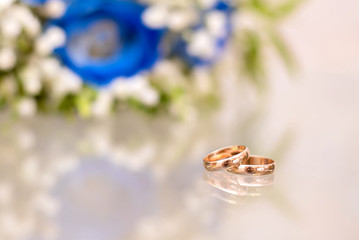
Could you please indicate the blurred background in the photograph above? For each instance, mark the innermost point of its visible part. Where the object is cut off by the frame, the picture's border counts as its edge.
(135, 176)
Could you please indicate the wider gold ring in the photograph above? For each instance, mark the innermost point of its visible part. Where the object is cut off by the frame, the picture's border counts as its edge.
(225, 157)
(254, 165)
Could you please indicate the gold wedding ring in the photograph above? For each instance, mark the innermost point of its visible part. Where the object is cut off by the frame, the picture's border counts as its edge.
(254, 165)
(225, 157)
(236, 159)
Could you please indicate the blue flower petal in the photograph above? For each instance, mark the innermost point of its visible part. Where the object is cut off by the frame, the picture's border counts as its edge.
(136, 48)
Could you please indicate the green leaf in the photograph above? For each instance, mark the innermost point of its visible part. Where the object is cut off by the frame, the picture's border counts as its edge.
(287, 8)
(270, 11)
(253, 57)
(282, 49)
(83, 101)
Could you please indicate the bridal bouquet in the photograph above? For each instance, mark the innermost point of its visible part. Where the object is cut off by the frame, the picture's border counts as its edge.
(94, 57)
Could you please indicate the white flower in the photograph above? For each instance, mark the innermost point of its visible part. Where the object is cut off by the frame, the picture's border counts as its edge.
(137, 87)
(10, 27)
(30, 23)
(26, 107)
(126, 87)
(102, 105)
(53, 8)
(31, 79)
(216, 23)
(7, 58)
(167, 68)
(50, 68)
(155, 16)
(180, 19)
(43, 47)
(56, 36)
(202, 45)
(4, 4)
(149, 96)
(121, 87)
(53, 37)
(66, 82)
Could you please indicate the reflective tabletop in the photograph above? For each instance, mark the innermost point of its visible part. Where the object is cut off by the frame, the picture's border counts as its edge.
(141, 177)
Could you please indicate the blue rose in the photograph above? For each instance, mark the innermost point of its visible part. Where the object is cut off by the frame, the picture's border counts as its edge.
(34, 2)
(181, 46)
(107, 39)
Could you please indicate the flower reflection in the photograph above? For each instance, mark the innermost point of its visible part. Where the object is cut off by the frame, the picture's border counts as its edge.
(232, 188)
(100, 200)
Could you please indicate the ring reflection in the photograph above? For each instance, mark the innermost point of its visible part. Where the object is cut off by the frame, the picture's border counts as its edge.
(232, 188)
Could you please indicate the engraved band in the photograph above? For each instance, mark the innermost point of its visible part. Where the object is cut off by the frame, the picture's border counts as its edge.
(254, 165)
(225, 157)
